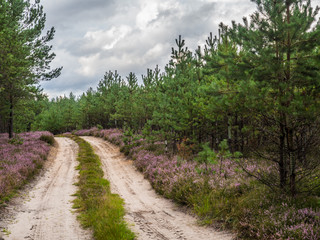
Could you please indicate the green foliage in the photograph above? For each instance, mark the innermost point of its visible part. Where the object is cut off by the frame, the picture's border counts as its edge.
(48, 139)
(207, 155)
(16, 140)
(283, 93)
(128, 133)
(224, 149)
(25, 55)
(60, 115)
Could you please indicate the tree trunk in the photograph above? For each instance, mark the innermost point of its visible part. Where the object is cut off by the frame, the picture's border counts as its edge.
(2, 123)
(292, 158)
(289, 130)
(236, 140)
(282, 161)
(229, 121)
(10, 123)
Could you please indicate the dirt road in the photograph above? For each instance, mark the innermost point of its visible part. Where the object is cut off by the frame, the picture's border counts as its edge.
(150, 215)
(46, 211)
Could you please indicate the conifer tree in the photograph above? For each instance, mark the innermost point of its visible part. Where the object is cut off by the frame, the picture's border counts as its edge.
(108, 93)
(25, 55)
(281, 64)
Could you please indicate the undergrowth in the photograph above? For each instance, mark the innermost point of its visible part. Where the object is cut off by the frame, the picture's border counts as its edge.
(219, 190)
(99, 209)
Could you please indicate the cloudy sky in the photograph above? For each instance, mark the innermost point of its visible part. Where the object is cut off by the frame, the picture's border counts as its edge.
(96, 36)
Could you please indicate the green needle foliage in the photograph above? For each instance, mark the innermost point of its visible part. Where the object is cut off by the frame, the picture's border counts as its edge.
(281, 63)
(25, 55)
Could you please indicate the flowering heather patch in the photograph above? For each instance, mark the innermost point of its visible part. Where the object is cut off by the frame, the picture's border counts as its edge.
(86, 132)
(168, 176)
(112, 135)
(20, 161)
(177, 179)
(183, 180)
(282, 222)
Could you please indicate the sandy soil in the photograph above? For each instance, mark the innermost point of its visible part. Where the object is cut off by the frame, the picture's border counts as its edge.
(149, 215)
(45, 211)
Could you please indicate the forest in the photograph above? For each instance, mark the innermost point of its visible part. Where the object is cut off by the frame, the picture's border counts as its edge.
(250, 95)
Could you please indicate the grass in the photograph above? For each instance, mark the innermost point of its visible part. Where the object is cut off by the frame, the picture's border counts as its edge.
(99, 209)
(48, 139)
(6, 232)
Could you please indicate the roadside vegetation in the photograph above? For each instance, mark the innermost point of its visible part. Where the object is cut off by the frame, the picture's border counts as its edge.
(100, 210)
(217, 186)
(21, 157)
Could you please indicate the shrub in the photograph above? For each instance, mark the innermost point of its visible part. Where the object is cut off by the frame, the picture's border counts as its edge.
(16, 140)
(48, 139)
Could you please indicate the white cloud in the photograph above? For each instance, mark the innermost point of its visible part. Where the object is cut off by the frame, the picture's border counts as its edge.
(148, 12)
(155, 52)
(89, 65)
(105, 40)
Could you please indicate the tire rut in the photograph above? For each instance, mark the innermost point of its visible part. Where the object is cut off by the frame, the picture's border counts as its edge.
(150, 215)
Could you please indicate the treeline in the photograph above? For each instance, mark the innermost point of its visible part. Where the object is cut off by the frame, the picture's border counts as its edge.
(256, 84)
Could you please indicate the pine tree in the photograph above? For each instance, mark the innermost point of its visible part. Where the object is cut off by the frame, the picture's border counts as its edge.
(24, 55)
(282, 87)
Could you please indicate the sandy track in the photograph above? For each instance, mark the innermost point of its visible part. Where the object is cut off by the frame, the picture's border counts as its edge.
(151, 216)
(46, 211)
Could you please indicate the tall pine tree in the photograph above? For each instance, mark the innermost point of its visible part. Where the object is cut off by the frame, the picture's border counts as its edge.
(25, 56)
(282, 85)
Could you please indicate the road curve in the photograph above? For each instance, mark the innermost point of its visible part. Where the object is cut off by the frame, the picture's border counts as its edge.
(149, 215)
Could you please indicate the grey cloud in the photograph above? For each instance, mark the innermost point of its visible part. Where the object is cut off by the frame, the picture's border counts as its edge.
(76, 48)
(85, 59)
(75, 83)
(72, 9)
(191, 25)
